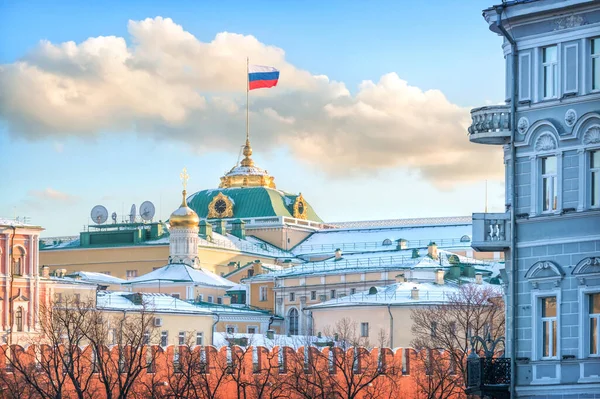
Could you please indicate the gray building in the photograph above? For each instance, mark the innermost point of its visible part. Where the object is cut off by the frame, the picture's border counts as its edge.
(550, 132)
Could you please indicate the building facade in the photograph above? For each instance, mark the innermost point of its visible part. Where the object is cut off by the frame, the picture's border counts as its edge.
(550, 130)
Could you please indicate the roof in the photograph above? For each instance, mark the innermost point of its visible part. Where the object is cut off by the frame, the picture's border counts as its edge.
(229, 310)
(16, 223)
(220, 339)
(93, 277)
(385, 238)
(374, 261)
(251, 202)
(160, 303)
(400, 294)
(181, 273)
(444, 220)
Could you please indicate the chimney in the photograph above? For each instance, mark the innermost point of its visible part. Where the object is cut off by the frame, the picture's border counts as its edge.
(220, 226)
(439, 277)
(432, 250)
(271, 334)
(257, 267)
(400, 278)
(45, 271)
(205, 230)
(238, 229)
(414, 293)
(338, 254)
(402, 244)
(479, 278)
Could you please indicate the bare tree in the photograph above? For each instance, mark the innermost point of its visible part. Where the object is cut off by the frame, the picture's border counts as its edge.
(473, 310)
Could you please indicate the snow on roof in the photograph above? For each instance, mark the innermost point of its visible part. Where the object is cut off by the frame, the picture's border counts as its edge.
(181, 273)
(373, 261)
(400, 294)
(160, 303)
(385, 238)
(15, 223)
(444, 220)
(231, 310)
(94, 277)
(220, 339)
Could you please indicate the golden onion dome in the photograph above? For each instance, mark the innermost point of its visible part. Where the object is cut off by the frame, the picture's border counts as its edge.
(184, 216)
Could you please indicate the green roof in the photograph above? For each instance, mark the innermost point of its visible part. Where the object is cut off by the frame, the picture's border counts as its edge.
(251, 202)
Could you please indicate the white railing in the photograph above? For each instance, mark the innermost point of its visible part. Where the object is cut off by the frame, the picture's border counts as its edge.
(374, 245)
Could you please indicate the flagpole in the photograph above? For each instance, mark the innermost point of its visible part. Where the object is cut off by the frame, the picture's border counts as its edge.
(247, 103)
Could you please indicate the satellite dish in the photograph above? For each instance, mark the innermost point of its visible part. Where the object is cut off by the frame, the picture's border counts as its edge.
(99, 214)
(132, 214)
(114, 217)
(147, 210)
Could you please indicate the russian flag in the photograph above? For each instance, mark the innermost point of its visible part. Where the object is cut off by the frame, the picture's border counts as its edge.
(260, 76)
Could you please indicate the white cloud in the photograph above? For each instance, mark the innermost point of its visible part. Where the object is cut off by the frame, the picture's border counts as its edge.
(50, 194)
(168, 84)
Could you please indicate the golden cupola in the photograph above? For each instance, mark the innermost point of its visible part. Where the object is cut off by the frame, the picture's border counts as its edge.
(184, 216)
(246, 174)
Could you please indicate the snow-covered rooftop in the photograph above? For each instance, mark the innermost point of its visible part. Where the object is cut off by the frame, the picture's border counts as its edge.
(159, 303)
(93, 277)
(15, 223)
(220, 339)
(377, 260)
(384, 238)
(401, 294)
(231, 310)
(181, 273)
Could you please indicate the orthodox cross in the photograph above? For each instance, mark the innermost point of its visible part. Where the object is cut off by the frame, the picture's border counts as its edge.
(184, 178)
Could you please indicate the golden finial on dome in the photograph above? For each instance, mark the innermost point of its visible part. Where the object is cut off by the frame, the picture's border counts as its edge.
(184, 216)
(247, 161)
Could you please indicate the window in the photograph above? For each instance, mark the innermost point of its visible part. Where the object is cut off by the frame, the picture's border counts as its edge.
(131, 273)
(332, 294)
(595, 174)
(175, 295)
(77, 298)
(594, 308)
(199, 338)
(164, 338)
(251, 329)
(19, 319)
(181, 337)
(549, 184)
(595, 45)
(364, 329)
(433, 329)
(263, 293)
(18, 261)
(313, 295)
(146, 337)
(107, 273)
(250, 272)
(220, 300)
(210, 299)
(230, 329)
(292, 297)
(550, 71)
(58, 297)
(549, 328)
(293, 321)
(352, 291)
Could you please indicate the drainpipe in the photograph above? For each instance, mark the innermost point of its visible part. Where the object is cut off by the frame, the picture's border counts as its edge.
(212, 336)
(512, 287)
(391, 326)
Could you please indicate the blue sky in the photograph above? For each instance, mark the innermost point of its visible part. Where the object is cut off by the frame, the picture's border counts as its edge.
(57, 178)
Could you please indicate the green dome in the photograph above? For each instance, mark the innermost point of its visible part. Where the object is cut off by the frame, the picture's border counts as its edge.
(251, 202)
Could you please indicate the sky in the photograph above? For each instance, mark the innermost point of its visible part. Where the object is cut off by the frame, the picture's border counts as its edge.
(106, 102)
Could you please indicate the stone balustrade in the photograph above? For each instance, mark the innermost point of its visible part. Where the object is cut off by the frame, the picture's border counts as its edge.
(491, 125)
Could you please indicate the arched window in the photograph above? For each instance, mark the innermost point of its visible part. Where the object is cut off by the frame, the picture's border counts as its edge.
(18, 261)
(293, 321)
(387, 241)
(465, 238)
(19, 319)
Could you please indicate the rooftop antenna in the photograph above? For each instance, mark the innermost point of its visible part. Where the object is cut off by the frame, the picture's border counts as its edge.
(147, 211)
(99, 214)
(132, 214)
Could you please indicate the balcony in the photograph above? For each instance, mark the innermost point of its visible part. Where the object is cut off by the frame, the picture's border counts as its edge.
(491, 125)
(488, 377)
(491, 232)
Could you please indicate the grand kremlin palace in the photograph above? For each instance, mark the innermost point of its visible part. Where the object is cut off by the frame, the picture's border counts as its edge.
(248, 226)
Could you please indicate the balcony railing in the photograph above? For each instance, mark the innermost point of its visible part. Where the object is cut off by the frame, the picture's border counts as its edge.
(488, 377)
(491, 232)
(491, 125)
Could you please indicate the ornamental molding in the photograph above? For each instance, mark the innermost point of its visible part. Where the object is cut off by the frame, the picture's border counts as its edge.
(570, 117)
(544, 271)
(300, 208)
(571, 21)
(545, 142)
(587, 267)
(523, 125)
(213, 213)
(592, 135)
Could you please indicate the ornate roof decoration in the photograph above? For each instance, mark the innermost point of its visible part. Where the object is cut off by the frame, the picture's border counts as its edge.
(587, 267)
(545, 142)
(300, 208)
(544, 271)
(247, 174)
(221, 206)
